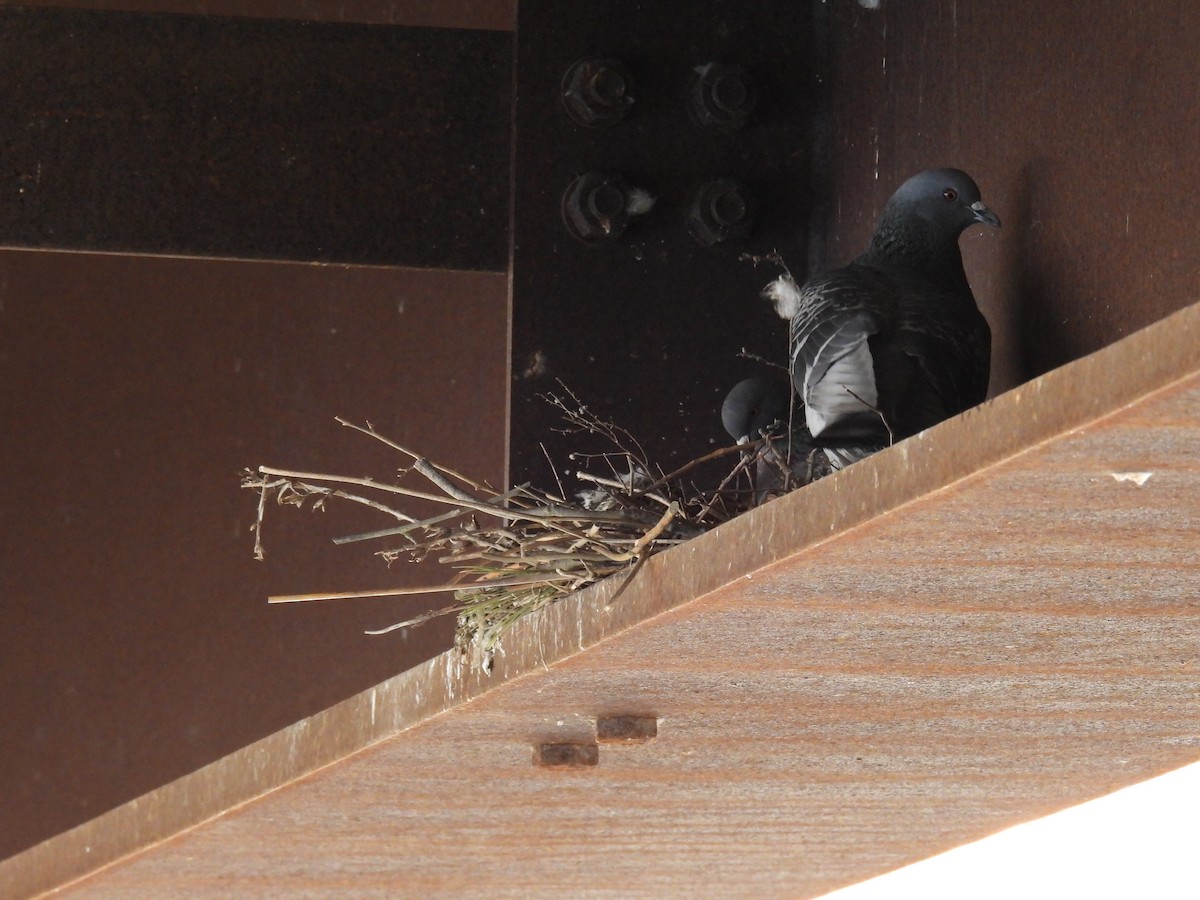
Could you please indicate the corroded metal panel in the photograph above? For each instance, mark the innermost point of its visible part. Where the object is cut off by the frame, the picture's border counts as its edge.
(200, 135)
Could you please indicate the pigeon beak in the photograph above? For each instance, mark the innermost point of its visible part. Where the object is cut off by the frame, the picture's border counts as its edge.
(983, 215)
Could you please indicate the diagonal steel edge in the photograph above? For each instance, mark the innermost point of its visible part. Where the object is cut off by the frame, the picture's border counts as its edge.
(1033, 414)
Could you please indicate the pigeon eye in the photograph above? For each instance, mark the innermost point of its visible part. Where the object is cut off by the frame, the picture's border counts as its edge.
(950, 194)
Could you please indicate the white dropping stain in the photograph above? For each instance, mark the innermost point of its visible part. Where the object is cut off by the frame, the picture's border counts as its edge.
(400, 307)
(1138, 478)
(1127, 223)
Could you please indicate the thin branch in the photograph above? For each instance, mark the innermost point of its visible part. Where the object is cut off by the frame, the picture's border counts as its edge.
(562, 494)
(370, 431)
(746, 354)
(624, 489)
(433, 589)
(708, 457)
(877, 411)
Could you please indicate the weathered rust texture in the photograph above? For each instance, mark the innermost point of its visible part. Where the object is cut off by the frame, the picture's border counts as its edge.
(950, 637)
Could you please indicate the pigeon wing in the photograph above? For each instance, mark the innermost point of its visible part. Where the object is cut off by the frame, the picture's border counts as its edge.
(839, 317)
(953, 349)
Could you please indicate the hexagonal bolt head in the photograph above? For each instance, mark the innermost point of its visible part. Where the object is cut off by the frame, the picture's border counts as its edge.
(720, 212)
(721, 96)
(597, 92)
(596, 206)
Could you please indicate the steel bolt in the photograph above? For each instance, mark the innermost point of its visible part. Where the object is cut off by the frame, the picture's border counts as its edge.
(597, 92)
(596, 206)
(720, 211)
(721, 96)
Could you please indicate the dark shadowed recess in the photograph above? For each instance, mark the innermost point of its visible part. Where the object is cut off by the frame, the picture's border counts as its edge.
(647, 329)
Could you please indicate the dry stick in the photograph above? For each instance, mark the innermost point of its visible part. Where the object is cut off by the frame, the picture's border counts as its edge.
(259, 553)
(743, 464)
(371, 432)
(419, 620)
(646, 539)
(878, 412)
(263, 487)
(620, 486)
(415, 524)
(584, 418)
(380, 486)
(366, 501)
(562, 494)
(477, 505)
(401, 531)
(746, 354)
(433, 589)
(708, 457)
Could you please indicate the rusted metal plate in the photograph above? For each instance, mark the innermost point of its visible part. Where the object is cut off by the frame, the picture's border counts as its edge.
(991, 621)
(132, 393)
(211, 136)
(1077, 131)
(647, 328)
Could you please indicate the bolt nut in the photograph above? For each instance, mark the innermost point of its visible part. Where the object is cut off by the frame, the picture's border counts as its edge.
(720, 212)
(596, 207)
(721, 97)
(597, 92)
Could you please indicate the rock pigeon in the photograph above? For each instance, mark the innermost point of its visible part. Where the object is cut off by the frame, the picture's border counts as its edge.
(893, 343)
(760, 409)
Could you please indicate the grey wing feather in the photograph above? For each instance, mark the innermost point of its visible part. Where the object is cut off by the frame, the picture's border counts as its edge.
(832, 362)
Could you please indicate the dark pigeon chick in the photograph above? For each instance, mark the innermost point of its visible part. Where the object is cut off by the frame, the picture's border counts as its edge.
(754, 405)
(892, 343)
(758, 408)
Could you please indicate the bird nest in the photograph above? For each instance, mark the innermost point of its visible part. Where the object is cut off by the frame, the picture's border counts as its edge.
(513, 552)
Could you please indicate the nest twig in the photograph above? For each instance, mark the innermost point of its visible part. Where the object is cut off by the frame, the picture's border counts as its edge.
(516, 551)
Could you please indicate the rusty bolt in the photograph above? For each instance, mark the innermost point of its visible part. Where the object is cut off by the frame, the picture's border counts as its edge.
(597, 92)
(596, 206)
(720, 211)
(721, 96)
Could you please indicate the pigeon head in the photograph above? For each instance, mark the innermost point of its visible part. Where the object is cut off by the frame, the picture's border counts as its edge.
(920, 225)
(947, 199)
(752, 405)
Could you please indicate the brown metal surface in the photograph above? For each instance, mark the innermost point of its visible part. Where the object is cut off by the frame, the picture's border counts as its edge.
(1078, 122)
(252, 138)
(986, 623)
(139, 645)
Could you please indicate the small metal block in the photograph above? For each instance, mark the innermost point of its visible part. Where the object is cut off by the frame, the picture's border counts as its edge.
(721, 97)
(566, 755)
(720, 211)
(597, 92)
(628, 729)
